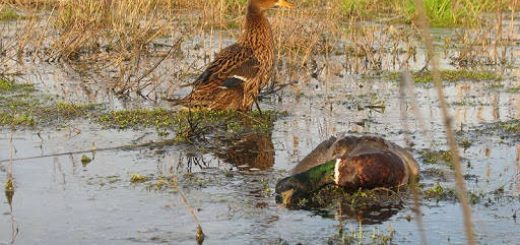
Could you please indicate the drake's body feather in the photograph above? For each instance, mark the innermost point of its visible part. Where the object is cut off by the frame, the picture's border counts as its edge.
(352, 163)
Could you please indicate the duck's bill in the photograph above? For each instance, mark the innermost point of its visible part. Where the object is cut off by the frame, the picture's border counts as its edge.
(285, 4)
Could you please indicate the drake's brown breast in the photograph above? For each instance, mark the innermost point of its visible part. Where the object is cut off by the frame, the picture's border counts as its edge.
(378, 169)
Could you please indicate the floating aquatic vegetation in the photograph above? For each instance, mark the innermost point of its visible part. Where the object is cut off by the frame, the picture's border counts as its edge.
(138, 178)
(437, 157)
(85, 160)
(452, 76)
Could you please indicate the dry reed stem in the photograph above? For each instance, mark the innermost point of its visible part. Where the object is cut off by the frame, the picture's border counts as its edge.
(459, 179)
(199, 236)
(406, 79)
(9, 189)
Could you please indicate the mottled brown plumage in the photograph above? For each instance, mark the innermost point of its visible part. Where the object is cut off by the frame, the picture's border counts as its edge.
(239, 72)
(249, 151)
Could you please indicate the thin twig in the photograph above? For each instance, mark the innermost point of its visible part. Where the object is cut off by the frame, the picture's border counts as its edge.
(405, 80)
(121, 147)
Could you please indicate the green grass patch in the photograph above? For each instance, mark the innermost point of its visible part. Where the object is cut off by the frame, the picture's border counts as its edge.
(513, 90)
(451, 13)
(451, 76)
(511, 126)
(190, 125)
(441, 193)
(70, 110)
(437, 157)
(7, 13)
(441, 13)
(5, 85)
(11, 87)
(21, 107)
(139, 118)
(15, 120)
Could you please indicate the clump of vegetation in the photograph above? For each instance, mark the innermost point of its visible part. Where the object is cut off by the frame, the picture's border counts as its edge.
(199, 235)
(266, 190)
(16, 119)
(163, 182)
(450, 13)
(360, 236)
(9, 185)
(70, 110)
(5, 85)
(508, 129)
(85, 160)
(9, 190)
(11, 88)
(440, 193)
(452, 76)
(362, 201)
(7, 13)
(513, 90)
(441, 13)
(511, 126)
(189, 125)
(465, 143)
(437, 157)
(157, 118)
(120, 25)
(20, 107)
(137, 178)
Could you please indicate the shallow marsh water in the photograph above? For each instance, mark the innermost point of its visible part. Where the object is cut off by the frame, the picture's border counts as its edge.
(58, 200)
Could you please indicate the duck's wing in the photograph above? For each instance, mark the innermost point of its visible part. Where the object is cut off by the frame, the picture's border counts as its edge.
(231, 68)
(322, 153)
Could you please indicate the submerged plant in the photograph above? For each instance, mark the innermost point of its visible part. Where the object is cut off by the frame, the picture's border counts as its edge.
(138, 178)
(9, 190)
(85, 160)
(452, 76)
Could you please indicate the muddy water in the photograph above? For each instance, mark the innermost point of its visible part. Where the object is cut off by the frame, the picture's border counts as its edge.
(59, 200)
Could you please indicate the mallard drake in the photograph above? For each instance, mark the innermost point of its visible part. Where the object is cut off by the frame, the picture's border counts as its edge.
(351, 162)
(234, 79)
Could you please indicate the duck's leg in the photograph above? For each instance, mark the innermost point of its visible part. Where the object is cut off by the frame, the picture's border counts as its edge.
(258, 107)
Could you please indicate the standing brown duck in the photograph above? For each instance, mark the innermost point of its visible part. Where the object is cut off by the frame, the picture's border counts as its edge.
(234, 79)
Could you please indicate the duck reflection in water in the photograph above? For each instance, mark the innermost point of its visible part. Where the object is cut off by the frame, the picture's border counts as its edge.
(253, 151)
(245, 151)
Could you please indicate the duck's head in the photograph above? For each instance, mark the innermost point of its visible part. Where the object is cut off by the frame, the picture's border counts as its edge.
(264, 5)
